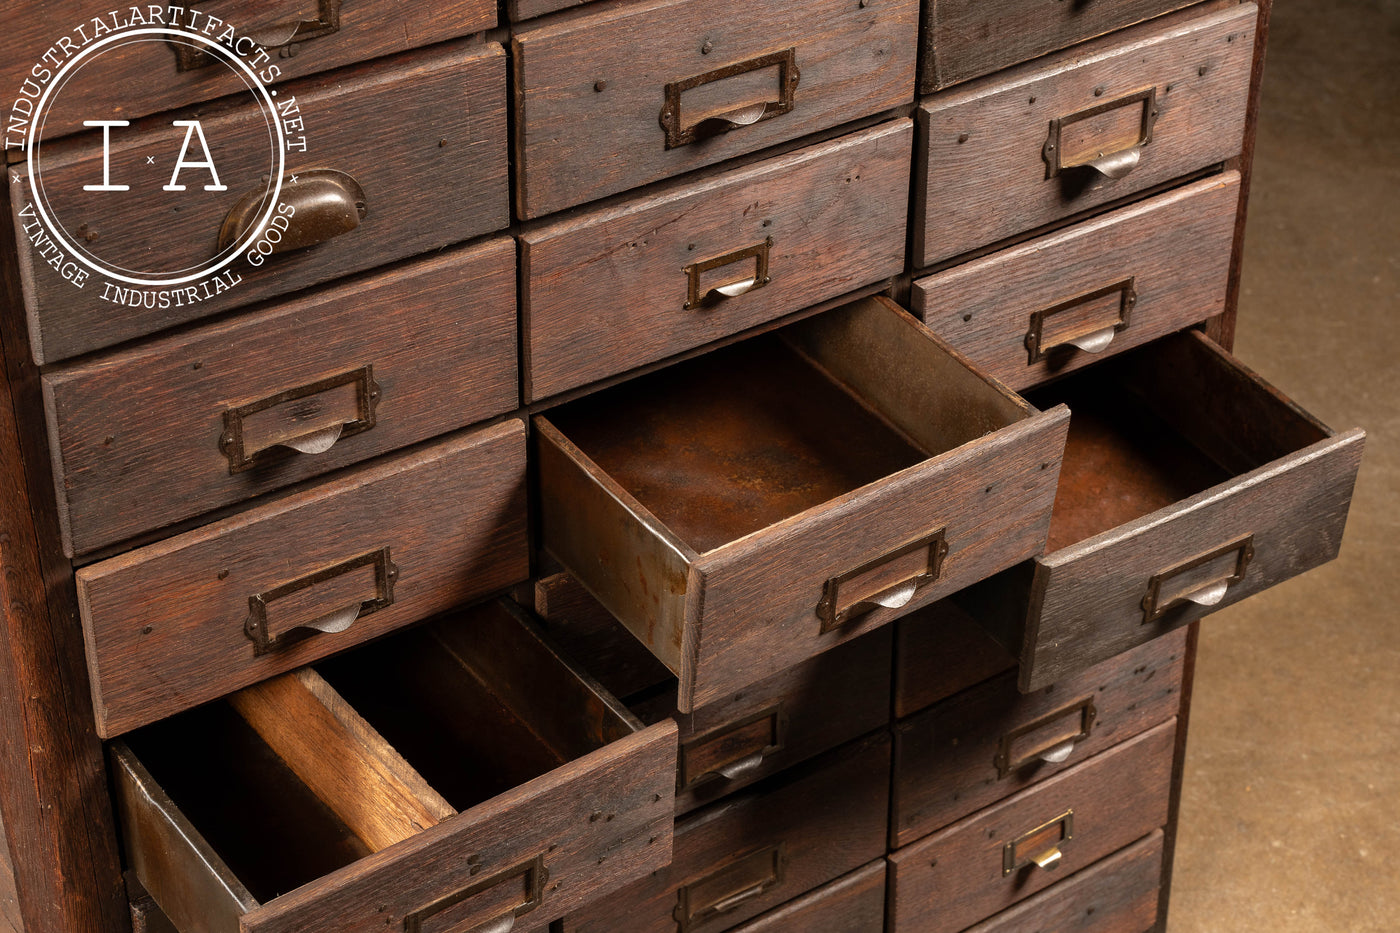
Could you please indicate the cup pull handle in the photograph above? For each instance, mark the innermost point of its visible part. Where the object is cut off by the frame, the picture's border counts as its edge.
(1050, 738)
(1107, 138)
(731, 751)
(914, 566)
(477, 907)
(275, 36)
(309, 419)
(1048, 860)
(1059, 754)
(328, 601)
(1116, 165)
(737, 769)
(1040, 847)
(735, 883)
(1203, 580)
(682, 130)
(1087, 322)
(325, 203)
(697, 295)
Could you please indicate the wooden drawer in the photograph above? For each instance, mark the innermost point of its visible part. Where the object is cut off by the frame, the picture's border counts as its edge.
(1116, 895)
(613, 288)
(141, 78)
(993, 859)
(964, 39)
(992, 741)
(854, 903)
(736, 739)
(989, 168)
(1058, 302)
(939, 651)
(436, 175)
(445, 780)
(678, 84)
(1188, 484)
(756, 506)
(747, 854)
(193, 617)
(181, 426)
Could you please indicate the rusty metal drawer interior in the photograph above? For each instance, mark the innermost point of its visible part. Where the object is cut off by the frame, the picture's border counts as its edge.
(827, 465)
(488, 776)
(1188, 483)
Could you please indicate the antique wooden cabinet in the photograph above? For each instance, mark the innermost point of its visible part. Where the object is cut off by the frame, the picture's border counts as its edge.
(657, 465)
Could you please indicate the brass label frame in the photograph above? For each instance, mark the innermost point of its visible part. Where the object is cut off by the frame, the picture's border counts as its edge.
(256, 625)
(366, 401)
(1152, 611)
(1054, 147)
(688, 916)
(1013, 861)
(758, 252)
(677, 134)
(686, 774)
(832, 618)
(1037, 350)
(1006, 765)
(536, 876)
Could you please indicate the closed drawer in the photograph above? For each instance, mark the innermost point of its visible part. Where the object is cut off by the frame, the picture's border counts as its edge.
(1008, 852)
(744, 855)
(436, 175)
(204, 419)
(1059, 302)
(741, 737)
(939, 651)
(193, 617)
(1016, 151)
(455, 778)
(854, 903)
(678, 84)
(992, 741)
(614, 288)
(1188, 484)
(1116, 895)
(965, 39)
(139, 78)
(751, 508)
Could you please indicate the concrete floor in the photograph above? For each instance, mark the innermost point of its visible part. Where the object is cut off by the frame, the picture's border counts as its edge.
(1291, 810)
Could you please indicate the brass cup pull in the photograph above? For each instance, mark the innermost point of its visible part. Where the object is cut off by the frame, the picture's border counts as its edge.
(1050, 738)
(682, 127)
(1107, 138)
(489, 905)
(730, 886)
(737, 769)
(328, 601)
(1048, 860)
(1041, 847)
(1059, 753)
(697, 294)
(731, 751)
(325, 203)
(1203, 580)
(274, 36)
(1087, 322)
(308, 419)
(890, 581)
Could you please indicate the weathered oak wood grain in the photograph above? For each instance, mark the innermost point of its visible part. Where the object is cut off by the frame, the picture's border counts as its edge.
(606, 290)
(136, 435)
(982, 173)
(591, 83)
(940, 650)
(143, 78)
(165, 624)
(955, 877)
(436, 175)
(1173, 248)
(854, 903)
(963, 39)
(948, 758)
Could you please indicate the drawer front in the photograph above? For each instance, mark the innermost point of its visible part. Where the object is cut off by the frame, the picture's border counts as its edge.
(439, 117)
(1015, 152)
(1091, 600)
(1116, 895)
(678, 84)
(613, 289)
(746, 855)
(186, 425)
(992, 741)
(965, 39)
(851, 904)
(301, 38)
(1060, 302)
(988, 862)
(761, 597)
(940, 651)
(191, 618)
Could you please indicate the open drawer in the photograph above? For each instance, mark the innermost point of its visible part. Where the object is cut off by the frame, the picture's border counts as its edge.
(751, 508)
(457, 778)
(1188, 484)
